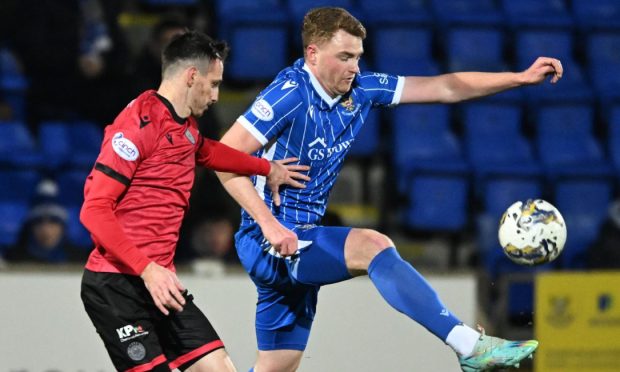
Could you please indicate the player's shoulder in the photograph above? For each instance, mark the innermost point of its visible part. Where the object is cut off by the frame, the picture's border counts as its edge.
(144, 111)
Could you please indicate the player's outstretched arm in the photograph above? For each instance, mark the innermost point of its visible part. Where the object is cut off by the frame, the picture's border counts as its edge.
(242, 190)
(220, 157)
(460, 86)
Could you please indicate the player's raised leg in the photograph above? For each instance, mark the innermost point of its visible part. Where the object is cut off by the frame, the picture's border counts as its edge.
(368, 251)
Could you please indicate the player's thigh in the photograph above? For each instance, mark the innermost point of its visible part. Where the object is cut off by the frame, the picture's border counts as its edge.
(217, 361)
(278, 360)
(127, 327)
(321, 257)
(188, 337)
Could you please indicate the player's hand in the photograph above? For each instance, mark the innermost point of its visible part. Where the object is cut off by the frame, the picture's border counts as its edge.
(164, 286)
(541, 68)
(283, 240)
(283, 173)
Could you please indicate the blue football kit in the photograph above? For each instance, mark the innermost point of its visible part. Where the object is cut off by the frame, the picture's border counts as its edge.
(295, 117)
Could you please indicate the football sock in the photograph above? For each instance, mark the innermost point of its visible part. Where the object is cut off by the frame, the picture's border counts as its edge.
(463, 339)
(408, 292)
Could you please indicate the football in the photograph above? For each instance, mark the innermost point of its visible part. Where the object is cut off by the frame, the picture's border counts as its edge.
(532, 233)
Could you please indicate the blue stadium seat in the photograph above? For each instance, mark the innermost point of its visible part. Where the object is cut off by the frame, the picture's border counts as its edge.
(390, 56)
(17, 147)
(464, 51)
(18, 185)
(394, 12)
(566, 142)
(596, 15)
(531, 44)
(71, 186)
(13, 216)
(613, 137)
(55, 143)
(85, 139)
(583, 204)
(537, 13)
(422, 140)
(430, 168)
(604, 63)
(495, 144)
(258, 32)
(467, 12)
(75, 144)
(437, 203)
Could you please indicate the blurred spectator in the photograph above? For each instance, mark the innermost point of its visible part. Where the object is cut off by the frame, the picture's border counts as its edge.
(43, 237)
(69, 56)
(147, 70)
(604, 253)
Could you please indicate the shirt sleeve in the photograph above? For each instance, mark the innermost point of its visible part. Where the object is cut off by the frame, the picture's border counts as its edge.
(273, 110)
(382, 89)
(127, 142)
(219, 157)
(97, 215)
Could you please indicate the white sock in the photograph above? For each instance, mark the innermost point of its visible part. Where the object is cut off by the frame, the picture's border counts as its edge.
(462, 339)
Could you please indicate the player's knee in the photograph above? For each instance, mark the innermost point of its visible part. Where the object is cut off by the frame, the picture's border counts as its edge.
(376, 242)
(363, 247)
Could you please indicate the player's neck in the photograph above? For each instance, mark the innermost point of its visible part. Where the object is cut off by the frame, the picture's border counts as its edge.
(176, 97)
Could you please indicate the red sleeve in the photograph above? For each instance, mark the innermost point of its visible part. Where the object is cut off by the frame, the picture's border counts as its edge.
(97, 215)
(219, 157)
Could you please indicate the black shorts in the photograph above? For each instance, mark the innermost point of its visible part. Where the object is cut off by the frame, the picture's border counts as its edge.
(136, 333)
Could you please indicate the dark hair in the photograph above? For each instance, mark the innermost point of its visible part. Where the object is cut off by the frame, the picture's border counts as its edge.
(320, 25)
(193, 45)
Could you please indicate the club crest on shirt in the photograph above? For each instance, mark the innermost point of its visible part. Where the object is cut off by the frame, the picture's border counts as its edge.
(190, 136)
(348, 104)
(124, 147)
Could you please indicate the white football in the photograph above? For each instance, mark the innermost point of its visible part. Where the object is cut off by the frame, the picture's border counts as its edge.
(532, 233)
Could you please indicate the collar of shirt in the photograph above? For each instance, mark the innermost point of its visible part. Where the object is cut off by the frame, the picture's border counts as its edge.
(329, 101)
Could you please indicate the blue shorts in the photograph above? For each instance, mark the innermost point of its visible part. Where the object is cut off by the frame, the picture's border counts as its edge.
(288, 287)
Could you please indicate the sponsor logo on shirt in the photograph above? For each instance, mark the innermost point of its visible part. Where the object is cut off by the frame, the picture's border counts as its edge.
(190, 136)
(124, 147)
(323, 152)
(262, 110)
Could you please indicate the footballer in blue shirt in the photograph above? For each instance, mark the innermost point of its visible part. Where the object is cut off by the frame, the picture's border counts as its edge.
(312, 111)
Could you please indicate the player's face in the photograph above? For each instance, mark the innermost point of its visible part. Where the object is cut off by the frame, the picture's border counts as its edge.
(206, 88)
(337, 62)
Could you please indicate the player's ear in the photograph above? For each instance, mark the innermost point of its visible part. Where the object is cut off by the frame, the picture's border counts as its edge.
(311, 53)
(190, 75)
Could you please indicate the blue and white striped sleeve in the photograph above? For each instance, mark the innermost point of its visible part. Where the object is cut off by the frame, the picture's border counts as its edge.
(273, 109)
(382, 89)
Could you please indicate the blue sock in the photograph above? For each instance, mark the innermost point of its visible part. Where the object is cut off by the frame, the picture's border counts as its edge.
(408, 292)
(251, 369)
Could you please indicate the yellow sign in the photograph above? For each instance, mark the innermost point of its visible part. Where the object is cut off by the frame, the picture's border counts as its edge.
(577, 320)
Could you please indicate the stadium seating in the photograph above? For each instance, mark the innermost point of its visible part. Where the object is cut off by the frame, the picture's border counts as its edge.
(74, 145)
(259, 33)
(566, 143)
(604, 64)
(464, 50)
(13, 216)
(394, 12)
(537, 13)
(583, 204)
(388, 41)
(467, 12)
(531, 44)
(613, 138)
(18, 184)
(495, 144)
(596, 15)
(17, 147)
(71, 186)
